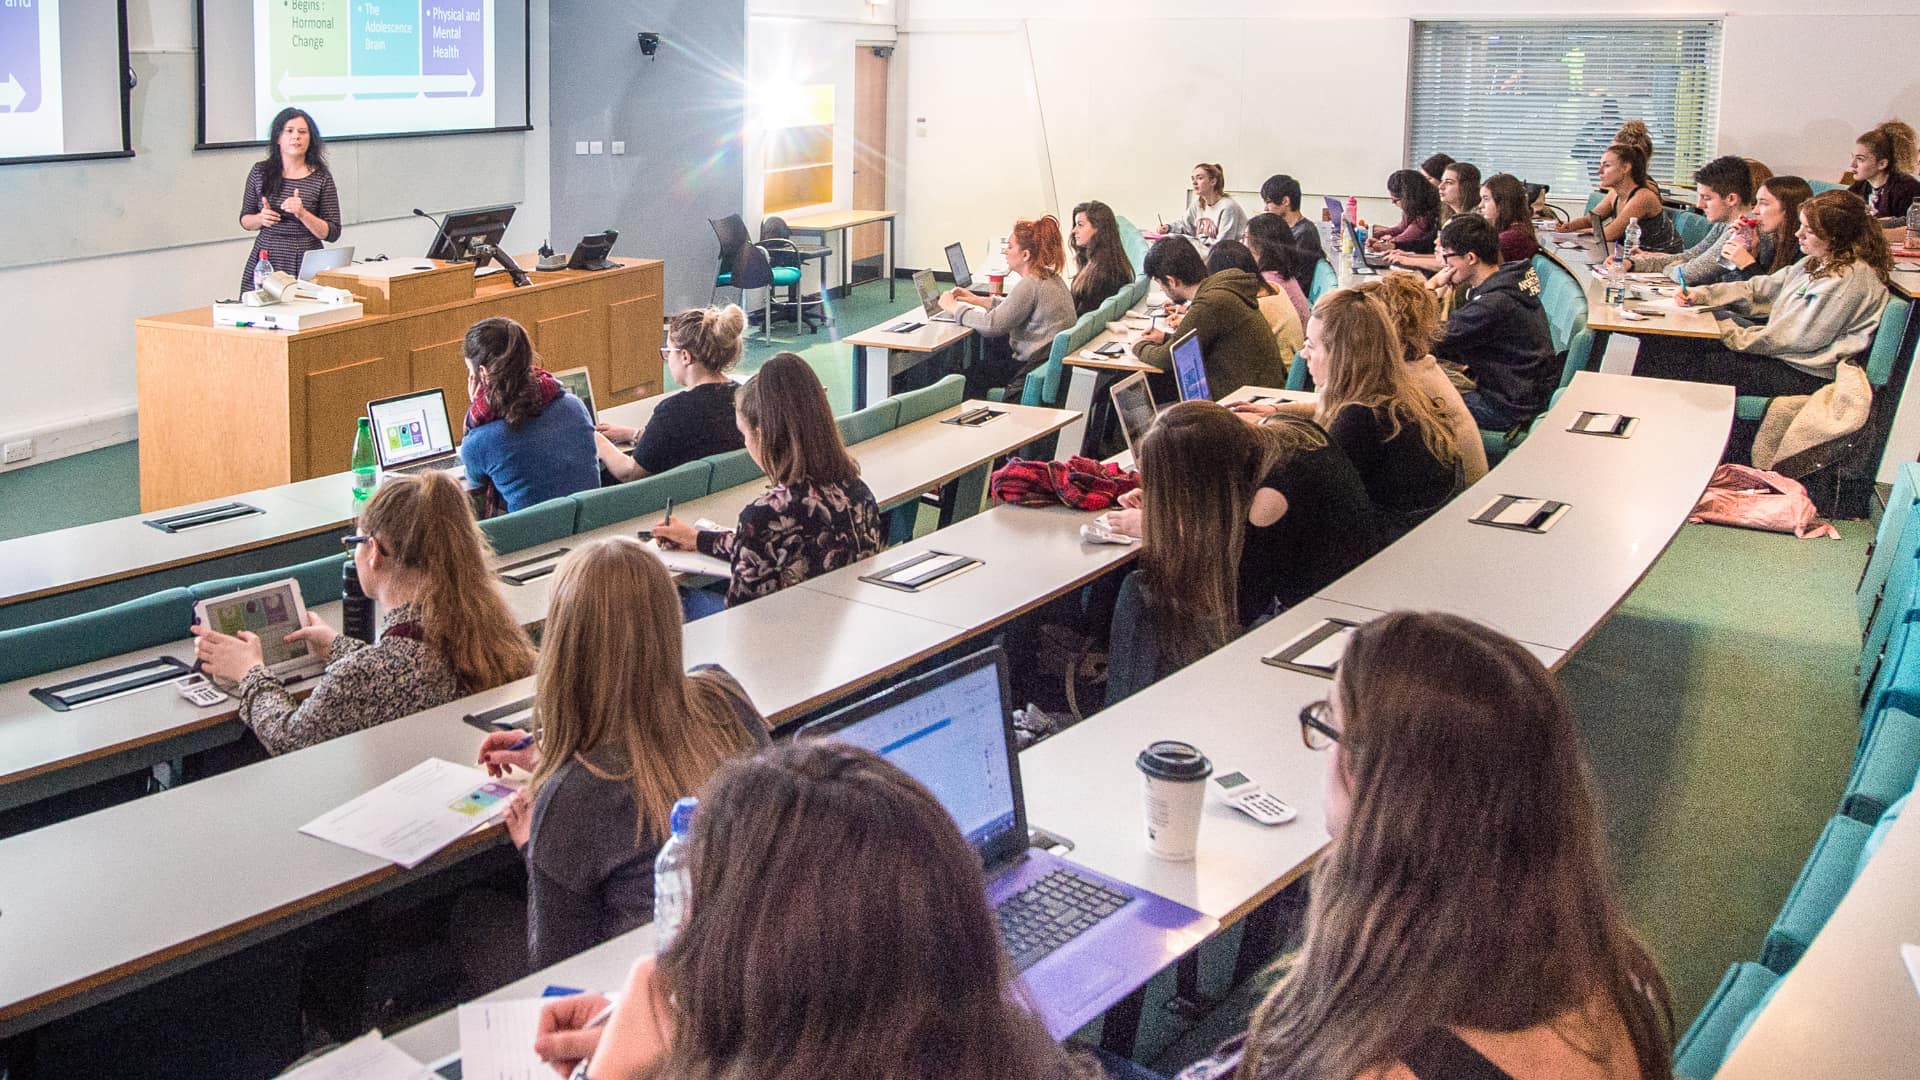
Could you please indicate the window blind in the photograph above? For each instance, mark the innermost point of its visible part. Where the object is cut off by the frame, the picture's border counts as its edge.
(1542, 100)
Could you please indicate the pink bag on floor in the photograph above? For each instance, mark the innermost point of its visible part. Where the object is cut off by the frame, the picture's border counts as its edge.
(1751, 498)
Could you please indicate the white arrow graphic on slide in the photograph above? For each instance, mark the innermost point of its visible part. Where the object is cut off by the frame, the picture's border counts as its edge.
(12, 93)
(331, 85)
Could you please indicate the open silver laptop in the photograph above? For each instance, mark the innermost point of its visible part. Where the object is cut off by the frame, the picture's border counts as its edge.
(930, 297)
(319, 259)
(411, 432)
(1133, 404)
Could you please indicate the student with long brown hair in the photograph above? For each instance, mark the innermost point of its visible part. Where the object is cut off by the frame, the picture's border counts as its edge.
(1238, 522)
(1395, 435)
(1284, 265)
(703, 344)
(1017, 329)
(445, 631)
(838, 926)
(1420, 210)
(1883, 171)
(1503, 202)
(1099, 257)
(817, 516)
(1464, 920)
(1631, 196)
(1770, 244)
(528, 440)
(620, 731)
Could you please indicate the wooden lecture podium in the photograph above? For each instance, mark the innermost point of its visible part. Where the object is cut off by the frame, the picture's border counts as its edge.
(227, 409)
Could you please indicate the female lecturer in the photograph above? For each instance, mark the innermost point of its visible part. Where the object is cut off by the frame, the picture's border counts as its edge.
(290, 200)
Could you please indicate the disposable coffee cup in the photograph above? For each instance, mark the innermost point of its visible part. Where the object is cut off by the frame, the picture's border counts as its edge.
(1176, 775)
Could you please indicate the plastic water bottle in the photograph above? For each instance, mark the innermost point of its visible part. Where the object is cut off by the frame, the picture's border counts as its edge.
(1913, 226)
(673, 877)
(1631, 238)
(356, 607)
(1353, 212)
(365, 468)
(260, 270)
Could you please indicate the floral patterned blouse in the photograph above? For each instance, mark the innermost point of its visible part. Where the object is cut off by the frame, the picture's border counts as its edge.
(364, 685)
(794, 532)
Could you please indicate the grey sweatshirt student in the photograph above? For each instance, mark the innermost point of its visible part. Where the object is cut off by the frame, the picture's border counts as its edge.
(1814, 321)
(1700, 263)
(1229, 221)
(1028, 317)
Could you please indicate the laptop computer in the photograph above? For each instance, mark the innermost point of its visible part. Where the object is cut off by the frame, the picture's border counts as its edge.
(1336, 213)
(1190, 369)
(1082, 941)
(929, 290)
(580, 384)
(1133, 404)
(326, 258)
(411, 433)
(957, 262)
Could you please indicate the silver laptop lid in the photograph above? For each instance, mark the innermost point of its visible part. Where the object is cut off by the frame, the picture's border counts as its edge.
(319, 259)
(929, 291)
(580, 384)
(1133, 403)
(957, 262)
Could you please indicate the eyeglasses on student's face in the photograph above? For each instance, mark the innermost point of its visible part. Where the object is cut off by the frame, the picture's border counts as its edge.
(667, 351)
(1316, 728)
(355, 540)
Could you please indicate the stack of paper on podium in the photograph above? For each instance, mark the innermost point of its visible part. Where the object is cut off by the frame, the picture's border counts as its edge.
(286, 315)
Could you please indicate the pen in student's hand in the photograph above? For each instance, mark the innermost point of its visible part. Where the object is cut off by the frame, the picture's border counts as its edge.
(522, 744)
(669, 516)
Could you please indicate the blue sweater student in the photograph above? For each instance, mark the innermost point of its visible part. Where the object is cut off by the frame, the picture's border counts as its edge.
(528, 440)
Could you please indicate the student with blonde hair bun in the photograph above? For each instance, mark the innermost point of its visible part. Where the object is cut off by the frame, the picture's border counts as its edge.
(445, 632)
(703, 344)
(1465, 920)
(817, 516)
(1396, 436)
(1883, 171)
(620, 732)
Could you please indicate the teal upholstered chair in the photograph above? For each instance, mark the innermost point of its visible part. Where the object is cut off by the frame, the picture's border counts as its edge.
(1868, 596)
(928, 400)
(319, 580)
(1881, 354)
(1593, 199)
(542, 523)
(1885, 767)
(1325, 280)
(1132, 242)
(876, 419)
(1712, 1035)
(137, 624)
(1887, 630)
(1823, 882)
(1819, 186)
(1046, 384)
(625, 502)
(731, 469)
(1297, 374)
(1692, 226)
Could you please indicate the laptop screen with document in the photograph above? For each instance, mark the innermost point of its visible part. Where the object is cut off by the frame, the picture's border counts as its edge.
(410, 427)
(950, 730)
(1133, 404)
(1189, 369)
(929, 291)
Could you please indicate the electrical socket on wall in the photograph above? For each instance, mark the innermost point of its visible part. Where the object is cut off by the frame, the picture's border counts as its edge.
(16, 451)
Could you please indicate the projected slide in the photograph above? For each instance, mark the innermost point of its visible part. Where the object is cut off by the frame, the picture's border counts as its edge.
(30, 124)
(367, 66)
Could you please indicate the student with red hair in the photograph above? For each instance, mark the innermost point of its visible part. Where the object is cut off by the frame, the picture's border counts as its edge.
(1017, 329)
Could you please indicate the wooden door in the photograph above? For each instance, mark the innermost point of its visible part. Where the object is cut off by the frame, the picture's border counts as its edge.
(869, 147)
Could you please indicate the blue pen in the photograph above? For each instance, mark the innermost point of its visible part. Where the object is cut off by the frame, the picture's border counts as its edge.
(523, 743)
(1682, 272)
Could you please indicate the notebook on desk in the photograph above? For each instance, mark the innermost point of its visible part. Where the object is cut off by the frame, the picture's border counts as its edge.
(1081, 940)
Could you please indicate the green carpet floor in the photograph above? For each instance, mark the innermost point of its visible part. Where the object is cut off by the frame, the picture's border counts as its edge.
(1717, 703)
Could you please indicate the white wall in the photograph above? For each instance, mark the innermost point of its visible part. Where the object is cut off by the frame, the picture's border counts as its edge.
(68, 352)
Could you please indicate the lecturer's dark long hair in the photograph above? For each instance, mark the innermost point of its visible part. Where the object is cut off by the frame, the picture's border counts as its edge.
(272, 180)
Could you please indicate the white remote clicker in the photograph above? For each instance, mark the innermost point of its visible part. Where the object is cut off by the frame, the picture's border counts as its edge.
(1240, 792)
(198, 689)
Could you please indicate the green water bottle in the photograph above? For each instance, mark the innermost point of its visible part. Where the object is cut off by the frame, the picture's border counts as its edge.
(365, 475)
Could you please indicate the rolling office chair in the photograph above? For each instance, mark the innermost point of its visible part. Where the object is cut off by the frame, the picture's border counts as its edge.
(746, 266)
(775, 228)
(731, 233)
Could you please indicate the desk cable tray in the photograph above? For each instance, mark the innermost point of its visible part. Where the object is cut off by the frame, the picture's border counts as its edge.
(975, 417)
(922, 571)
(1521, 513)
(206, 515)
(513, 716)
(1605, 425)
(538, 566)
(1316, 652)
(93, 689)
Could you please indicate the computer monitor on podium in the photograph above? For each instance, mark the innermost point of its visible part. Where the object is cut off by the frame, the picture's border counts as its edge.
(465, 230)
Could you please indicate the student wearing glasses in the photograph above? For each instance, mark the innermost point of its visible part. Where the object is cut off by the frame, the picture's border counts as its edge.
(621, 730)
(1419, 203)
(528, 440)
(1465, 921)
(837, 927)
(1497, 340)
(1281, 195)
(817, 516)
(703, 344)
(445, 630)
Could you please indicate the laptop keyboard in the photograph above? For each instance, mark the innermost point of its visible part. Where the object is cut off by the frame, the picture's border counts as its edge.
(1052, 911)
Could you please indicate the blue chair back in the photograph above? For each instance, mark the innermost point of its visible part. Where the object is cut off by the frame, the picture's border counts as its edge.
(1885, 349)
(542, 523)
(1893, 524)
(731, 469)
(1297, 372)
(1715, 1031)
(1043, 385)
(625, 502)
(159, 619)
(319, 580)
(1325, 280)
(1132, 241)
(1691, 226)
(1593, 199)
(876, 419)
(1564, 300)
(1819, 186)
(924, 402)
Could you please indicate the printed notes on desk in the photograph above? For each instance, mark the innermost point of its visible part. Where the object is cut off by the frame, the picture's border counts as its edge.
(415, 814)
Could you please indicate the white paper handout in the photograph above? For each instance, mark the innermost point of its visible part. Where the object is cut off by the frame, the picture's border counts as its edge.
(368, 1057)
(693, 562)
(496, 1040)
(414, 814)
